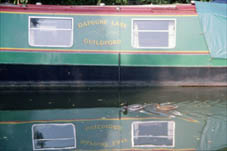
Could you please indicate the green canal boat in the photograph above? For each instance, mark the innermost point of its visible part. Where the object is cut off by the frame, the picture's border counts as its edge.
(42, 45)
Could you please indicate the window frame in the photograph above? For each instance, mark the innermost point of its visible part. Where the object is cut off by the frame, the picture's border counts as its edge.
(147, 19)
(48, 17)
(150, 145)
(74, 134)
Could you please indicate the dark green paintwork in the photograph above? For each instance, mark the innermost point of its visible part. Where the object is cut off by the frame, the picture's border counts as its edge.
(57, 58)
(170, 60)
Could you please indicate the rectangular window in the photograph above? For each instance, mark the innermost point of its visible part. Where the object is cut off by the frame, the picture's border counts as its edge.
(53, 136)
(153, 134)
(154, 33)
(50, 31)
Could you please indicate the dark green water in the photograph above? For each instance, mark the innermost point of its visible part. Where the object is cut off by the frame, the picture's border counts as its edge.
(108, 97)
(200, 116)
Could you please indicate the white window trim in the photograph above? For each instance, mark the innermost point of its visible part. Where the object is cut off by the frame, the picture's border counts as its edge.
(49, 29)
(74, 133)
(139, 122)
(132, 32)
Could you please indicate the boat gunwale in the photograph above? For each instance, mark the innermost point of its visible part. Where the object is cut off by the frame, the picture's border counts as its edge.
(183, 9)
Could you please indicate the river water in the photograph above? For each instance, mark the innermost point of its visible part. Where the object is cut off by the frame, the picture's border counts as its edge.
(200, 116)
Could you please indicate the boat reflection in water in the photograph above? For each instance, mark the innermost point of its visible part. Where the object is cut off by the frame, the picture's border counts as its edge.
(114, 119)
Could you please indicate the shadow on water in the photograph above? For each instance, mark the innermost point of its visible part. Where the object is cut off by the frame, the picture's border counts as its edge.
(107, 119)
(105, 97)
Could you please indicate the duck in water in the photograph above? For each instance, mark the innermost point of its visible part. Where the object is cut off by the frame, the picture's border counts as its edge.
(165, 109)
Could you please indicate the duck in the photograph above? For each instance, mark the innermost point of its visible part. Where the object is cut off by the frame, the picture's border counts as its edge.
(165, 108)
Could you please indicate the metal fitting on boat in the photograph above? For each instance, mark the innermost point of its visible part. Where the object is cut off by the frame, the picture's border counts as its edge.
(118, 9)
(38, 3)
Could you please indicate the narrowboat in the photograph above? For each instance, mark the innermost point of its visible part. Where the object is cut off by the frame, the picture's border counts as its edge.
(43, 45)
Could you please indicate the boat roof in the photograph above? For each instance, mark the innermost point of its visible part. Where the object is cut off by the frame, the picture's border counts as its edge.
(180, 9)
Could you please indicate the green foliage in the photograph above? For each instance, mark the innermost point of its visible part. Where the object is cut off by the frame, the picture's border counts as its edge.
(23, 1)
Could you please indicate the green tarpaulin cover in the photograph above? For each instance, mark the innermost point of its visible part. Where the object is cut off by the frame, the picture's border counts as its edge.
(213, 17)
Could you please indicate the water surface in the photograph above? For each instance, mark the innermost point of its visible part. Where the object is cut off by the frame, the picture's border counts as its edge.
(104, 118)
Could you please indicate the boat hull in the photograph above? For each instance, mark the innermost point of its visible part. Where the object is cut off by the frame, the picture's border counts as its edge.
(79, 76)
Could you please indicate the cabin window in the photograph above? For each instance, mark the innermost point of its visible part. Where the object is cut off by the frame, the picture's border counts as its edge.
(153, 134)
(50, 31)
(53, 136)
(154, 33)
